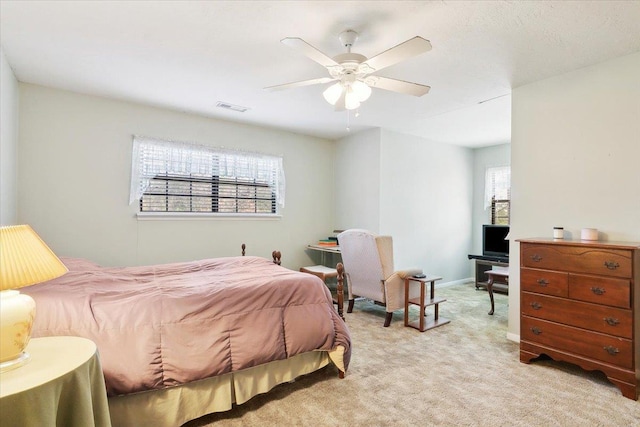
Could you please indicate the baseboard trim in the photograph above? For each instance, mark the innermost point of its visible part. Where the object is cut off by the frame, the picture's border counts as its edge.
(513, 337)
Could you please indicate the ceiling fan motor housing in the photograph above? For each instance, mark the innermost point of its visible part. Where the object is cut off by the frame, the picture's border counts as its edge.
(348, 38)
(345, 59)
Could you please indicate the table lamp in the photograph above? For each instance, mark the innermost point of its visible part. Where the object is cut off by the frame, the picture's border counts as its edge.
(24, 260)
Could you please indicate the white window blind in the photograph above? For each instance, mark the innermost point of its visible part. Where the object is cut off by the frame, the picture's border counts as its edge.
(169, 176)
(497, 184)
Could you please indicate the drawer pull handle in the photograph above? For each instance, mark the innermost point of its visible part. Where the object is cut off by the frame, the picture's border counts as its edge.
(536, 331)
(611, 350)
(611, 321)
(597, 291)
(611, 265)
(542, 282)
(536, 258)
(535, 305)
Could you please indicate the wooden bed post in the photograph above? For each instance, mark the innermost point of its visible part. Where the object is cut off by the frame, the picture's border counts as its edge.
(243, 248)
(340, 290)
(340, 298)
(276, 257)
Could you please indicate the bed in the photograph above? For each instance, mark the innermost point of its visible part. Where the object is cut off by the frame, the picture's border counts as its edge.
(178, 341)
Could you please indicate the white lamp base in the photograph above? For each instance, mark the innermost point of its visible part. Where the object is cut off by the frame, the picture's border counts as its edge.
(17, 312)
(23, 358)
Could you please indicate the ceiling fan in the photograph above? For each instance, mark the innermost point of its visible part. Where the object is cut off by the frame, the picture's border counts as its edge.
(353, 72)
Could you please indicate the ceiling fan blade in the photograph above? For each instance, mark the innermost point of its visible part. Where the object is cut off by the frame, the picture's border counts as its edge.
(405, 50)
(310, 51)
(400, 86)
(300, 83)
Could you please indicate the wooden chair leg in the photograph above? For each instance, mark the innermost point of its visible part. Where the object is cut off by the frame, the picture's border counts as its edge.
(350, 307)
(387, 319)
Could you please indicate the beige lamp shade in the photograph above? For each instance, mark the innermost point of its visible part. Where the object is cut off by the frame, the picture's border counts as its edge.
(24, 260)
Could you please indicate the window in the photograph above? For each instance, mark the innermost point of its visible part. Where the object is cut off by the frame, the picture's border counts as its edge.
(176, 177)
(500, 211)
(498, 194)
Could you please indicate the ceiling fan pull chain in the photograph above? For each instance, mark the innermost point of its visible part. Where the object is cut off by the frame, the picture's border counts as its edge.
(348, 121)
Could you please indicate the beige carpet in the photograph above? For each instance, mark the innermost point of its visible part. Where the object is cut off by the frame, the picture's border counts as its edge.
(465, 373)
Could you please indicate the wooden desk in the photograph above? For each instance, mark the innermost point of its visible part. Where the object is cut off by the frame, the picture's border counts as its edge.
(325, 272)
(423, 303)
(499, 274)
(331, 249)
(326, 250)
(62, 384)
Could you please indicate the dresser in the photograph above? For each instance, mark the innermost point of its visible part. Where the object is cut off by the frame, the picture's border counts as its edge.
(580, 303)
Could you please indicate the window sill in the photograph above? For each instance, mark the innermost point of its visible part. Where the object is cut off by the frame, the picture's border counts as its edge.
(190, 216)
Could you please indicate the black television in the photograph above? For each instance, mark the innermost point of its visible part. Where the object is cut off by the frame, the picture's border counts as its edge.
(494, 242)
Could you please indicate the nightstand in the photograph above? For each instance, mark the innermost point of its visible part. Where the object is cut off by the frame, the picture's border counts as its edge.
(62, 384)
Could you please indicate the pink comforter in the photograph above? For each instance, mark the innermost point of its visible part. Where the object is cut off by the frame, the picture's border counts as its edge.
(165, 325)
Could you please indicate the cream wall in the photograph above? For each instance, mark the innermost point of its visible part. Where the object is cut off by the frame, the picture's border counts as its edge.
(74, 172)
(418, 191)
(426, 194)
(358, 181)
(575, 158)
(8, 143)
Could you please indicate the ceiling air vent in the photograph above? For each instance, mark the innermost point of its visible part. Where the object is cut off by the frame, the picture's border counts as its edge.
(228, 106)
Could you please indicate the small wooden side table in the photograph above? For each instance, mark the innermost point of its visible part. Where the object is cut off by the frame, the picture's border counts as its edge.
(423, 303)
(496, 274)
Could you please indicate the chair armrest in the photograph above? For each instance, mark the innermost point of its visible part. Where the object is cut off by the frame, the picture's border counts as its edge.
(394, 288)
(408, 272)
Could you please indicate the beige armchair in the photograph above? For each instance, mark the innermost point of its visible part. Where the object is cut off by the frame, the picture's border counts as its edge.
(368, 266)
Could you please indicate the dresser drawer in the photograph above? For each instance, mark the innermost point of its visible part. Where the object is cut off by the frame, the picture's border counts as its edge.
(600, 290)
(599, 318)
(544, 282)
(605, 348)
(581, 259)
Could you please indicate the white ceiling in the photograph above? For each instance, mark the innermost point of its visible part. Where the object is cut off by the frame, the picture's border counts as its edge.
(190, 55)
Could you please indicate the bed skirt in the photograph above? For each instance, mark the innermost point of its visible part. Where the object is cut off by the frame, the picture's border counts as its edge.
(175, 406)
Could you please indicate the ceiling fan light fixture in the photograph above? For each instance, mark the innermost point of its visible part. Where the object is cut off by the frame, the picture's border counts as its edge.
(351, 101)
(361, 90)
(333, 93)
